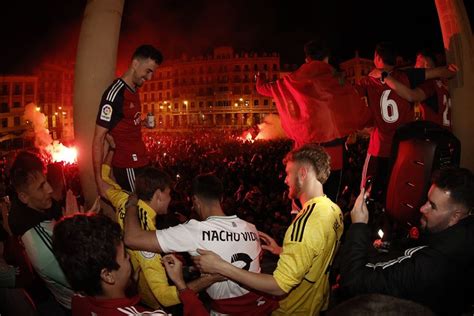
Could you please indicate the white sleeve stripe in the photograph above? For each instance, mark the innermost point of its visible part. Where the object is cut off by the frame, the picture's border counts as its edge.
(125, 311)
(113, 91)
(383, 265)
(131, 178)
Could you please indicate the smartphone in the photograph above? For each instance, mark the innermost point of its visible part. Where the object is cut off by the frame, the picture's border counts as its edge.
(368, 188)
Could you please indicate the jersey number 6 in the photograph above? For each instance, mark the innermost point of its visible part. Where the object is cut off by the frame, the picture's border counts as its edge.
(388, 107)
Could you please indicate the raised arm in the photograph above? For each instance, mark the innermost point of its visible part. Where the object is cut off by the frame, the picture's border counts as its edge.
(445, 72)
(411, 95)
(263, 87)
(98, 155)
(134, 236)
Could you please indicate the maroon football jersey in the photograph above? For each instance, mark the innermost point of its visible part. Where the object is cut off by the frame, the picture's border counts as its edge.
(120, 113)
(389, 110)
(437, 106)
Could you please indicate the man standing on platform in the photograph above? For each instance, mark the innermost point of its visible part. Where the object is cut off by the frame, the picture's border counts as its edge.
(120, 115)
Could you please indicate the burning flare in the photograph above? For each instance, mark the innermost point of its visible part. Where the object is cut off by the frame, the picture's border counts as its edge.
(54, 149)
(61, 153)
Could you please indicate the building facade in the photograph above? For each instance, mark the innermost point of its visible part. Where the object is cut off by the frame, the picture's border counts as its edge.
(215, 91)
(55, 98)
(356, 68)
(15, 93)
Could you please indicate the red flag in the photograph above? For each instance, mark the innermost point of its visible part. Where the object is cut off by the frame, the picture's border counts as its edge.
(315, 105)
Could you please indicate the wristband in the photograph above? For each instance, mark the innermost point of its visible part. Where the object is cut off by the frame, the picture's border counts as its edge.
(383, 76)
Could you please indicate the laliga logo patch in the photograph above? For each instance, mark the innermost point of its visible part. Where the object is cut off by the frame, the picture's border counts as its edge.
(147, 255)
(106, 113)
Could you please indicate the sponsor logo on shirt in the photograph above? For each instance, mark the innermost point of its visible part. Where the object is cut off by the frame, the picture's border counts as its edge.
(147, 255)
(106, 113)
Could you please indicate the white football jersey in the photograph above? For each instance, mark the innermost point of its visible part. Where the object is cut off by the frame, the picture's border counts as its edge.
(232, 238)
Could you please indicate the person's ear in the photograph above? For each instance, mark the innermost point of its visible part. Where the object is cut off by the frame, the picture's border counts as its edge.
(158, 195)
(196, 200)
(302, 173)
(135, 64)
(457, 215)
(107, 276)
(23, 197)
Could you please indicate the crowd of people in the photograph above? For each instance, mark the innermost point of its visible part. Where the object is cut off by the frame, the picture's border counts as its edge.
(195, 213)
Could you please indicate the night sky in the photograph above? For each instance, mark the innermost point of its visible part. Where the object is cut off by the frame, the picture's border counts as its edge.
(34, 31)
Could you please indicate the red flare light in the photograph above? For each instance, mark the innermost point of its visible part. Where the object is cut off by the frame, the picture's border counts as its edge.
(61, 153)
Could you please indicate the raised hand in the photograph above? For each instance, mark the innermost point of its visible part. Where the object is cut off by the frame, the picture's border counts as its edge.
(269, 244)
(360, 213)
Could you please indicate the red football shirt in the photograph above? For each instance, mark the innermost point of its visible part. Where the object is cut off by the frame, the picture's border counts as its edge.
(437, 107)
(120, 113)
(389, 110)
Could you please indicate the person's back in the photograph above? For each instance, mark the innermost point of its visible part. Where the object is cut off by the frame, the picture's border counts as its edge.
(389, 111)
(437, 107)
(316, 105)
(232, 238)
(312, 241)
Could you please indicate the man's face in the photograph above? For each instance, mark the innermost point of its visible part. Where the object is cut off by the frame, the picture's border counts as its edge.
(437, 212)
(143, 70)
(123, 273)
(292, 181)
(37, 193)
(165, 198)
(423, 62)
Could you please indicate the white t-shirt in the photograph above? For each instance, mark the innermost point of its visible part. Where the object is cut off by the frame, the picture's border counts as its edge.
(232, 238)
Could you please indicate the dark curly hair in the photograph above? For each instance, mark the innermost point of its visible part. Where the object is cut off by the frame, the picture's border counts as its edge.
(26, 165)
(149, 180)
(459, 182)
(208, 186)
(388, 53)
(314, 155)
(148, 51)
(84, 244)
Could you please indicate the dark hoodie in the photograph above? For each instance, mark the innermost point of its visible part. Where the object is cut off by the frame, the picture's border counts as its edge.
(438, 274)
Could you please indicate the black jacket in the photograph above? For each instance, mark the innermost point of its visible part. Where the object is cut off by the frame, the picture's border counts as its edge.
(22, 218)
(438, 273)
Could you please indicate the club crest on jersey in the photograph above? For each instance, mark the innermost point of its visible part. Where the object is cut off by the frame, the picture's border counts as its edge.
(147, 255)
(106, 113)
(132, 105)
